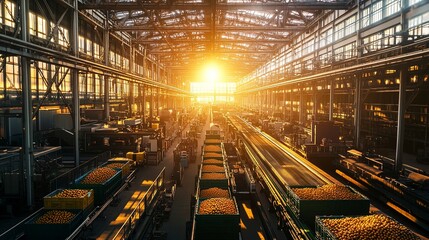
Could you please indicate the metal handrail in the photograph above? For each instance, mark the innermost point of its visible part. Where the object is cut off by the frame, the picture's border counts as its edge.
(131, 222)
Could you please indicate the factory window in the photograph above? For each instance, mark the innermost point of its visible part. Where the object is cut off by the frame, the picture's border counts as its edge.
(42, 27)
(350, 25)
(90, 85)
(365, 17)
(325, 59)
(118, 60)
(377, 11)
(81, 44)
(97, 52)
(33, 24)
(412, 2)
(64, 74)
(325, 38)
(392, 37)
(112, 58)
(63, 36)
(308, 47)
(350, 50)
(339, 30)
(1, 19)
(89, 47)
(126, 64)
(328, 19)
(33, 77)
(417, 26)
(392, 6)
(12, 73)
(82, 84)
(9, 13)
(42, 73)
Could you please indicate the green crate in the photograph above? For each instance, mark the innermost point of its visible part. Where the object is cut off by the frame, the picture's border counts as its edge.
(101, 191)
(322, 232)
(208, 183)
(51, 231)
(214, 227)
(50, 202)
(307, 210)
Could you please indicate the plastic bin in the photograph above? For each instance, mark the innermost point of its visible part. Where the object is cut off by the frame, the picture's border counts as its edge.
(306, 210)
(82, 203)
(101, 191)
(51, 231)
(138, 157)
(214, 227)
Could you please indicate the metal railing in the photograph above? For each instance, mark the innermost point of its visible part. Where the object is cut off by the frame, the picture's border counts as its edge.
(140, 210)
(63, 180)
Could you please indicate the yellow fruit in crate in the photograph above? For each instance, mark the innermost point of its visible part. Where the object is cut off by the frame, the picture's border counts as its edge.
(327, 192)
(115, 165)
(72, 193)
(214, 193)
(55, 217)
(99, 175)
(220, 206)
(213, 168)
(213, 176)
(376, 226)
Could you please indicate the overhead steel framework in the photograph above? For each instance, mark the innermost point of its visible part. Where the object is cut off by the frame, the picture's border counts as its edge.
(227, 31)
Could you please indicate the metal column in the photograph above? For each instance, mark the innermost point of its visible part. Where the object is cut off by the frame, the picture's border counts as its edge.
(331, 100)
(400, 127)
(106, 43)
(131, 87)
(314, 118)
(357, 111)
(27, 112)
(75, 82)
(301, 106)
(284, 105)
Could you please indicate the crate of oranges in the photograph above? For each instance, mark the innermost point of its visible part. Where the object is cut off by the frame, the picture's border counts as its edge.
(69, 199)
(125, 166)
(103, 180)
(375, 226)
(217, 218)
(52, 224)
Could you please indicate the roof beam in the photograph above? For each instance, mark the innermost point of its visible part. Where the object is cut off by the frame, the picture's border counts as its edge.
(304, 5)
(207, 29)
(270, 41)
(215, 52)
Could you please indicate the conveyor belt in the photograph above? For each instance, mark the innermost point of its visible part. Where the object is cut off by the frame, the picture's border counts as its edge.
(292, 172)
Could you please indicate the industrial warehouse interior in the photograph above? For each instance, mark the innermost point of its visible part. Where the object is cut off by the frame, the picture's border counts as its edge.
(214, 119)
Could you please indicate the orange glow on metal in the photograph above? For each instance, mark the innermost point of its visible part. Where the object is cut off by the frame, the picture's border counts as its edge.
(248, 211)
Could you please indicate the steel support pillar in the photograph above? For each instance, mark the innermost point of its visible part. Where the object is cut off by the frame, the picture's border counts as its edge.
(284, 105)
(143, 91)
(357, 111)
(151, 104)
(158, 104)
(314, 117)
(75, 82)
(301, 106)
(401, 121)
(131, 89)
(331, 100)
(106, 43)
(27, 109)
